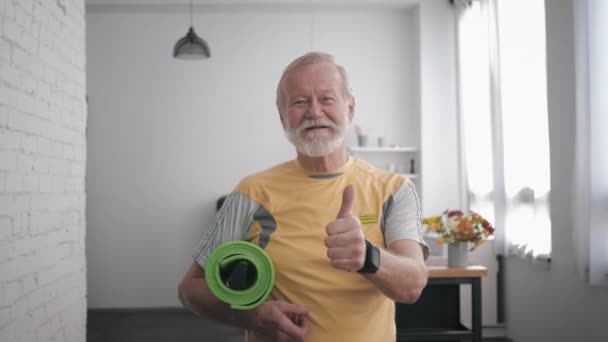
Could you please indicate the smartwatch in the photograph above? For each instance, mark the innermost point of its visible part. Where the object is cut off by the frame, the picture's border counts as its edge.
(372, 259)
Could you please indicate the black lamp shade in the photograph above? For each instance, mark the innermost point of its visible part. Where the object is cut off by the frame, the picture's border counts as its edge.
(191, 47)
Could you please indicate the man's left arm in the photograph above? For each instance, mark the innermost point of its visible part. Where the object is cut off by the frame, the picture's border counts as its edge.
(402, 274)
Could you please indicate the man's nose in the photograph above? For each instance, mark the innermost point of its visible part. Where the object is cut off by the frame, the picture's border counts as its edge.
(315, 110)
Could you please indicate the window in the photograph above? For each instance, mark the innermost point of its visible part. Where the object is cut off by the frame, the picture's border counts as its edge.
(504, 120)
(591, 173)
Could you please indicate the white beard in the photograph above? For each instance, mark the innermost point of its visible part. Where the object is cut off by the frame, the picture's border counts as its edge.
(315, 145)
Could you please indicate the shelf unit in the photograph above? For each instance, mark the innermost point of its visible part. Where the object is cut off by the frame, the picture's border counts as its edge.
(395, 159)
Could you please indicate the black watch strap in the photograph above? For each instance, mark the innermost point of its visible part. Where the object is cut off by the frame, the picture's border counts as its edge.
(372, 259)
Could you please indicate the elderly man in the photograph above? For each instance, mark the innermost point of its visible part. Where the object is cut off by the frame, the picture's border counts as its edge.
(337, 277)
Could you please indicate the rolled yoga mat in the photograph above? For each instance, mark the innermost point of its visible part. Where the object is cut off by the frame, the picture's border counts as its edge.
(240, 273)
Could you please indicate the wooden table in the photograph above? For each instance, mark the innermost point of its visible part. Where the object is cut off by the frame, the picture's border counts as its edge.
(436, 314)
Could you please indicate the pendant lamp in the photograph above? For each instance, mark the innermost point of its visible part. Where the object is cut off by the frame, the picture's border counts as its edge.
(191, 46)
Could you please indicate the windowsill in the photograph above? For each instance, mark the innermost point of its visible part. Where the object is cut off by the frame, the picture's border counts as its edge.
(542, 261)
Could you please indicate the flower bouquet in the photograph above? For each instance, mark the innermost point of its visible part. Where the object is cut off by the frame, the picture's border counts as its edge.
(453, 226)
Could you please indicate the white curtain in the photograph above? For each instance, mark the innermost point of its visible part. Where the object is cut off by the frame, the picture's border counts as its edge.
(591, 174)
(475, 111)
(504, 120)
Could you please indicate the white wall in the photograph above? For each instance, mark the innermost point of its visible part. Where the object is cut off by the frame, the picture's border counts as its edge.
(438, 107)
(168, 137)
(42, 164)
(552, 303)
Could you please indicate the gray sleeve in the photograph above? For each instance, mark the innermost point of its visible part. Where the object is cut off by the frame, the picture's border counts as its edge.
(401, 218)
(230, 223)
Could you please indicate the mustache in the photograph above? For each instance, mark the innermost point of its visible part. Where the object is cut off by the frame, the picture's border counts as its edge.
(316, 123)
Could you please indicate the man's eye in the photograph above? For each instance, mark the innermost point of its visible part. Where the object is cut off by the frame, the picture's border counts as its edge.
(328, 99)
(299, 102)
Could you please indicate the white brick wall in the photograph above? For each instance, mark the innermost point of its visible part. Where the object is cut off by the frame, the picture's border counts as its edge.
(42, 166)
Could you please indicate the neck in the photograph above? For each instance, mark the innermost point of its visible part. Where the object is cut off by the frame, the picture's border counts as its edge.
(332, 161)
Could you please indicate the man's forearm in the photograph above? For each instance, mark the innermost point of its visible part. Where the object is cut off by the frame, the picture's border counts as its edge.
(400, 278)
(196, 296)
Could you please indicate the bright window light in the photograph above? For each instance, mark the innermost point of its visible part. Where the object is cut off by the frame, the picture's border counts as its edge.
(504, 120)
(523, 91)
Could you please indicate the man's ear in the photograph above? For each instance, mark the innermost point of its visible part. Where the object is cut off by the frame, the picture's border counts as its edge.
(351, 108)
(283, 123)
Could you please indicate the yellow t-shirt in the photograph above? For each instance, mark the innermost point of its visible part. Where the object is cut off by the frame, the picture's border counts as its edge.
(285, 210)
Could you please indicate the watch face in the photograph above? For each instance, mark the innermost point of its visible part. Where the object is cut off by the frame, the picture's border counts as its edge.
(375, 258)
(372, 259)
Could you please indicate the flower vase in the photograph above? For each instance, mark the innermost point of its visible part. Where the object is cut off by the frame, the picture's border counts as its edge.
(458, 254)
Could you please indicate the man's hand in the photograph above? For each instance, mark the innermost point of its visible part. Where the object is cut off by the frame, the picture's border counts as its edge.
(281, 321)
(345, 240)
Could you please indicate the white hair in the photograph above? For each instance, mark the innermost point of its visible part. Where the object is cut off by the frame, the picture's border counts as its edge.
(309, 59)
(316, 146)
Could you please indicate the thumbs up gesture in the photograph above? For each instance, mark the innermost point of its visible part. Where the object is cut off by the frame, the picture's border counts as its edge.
(345, 240)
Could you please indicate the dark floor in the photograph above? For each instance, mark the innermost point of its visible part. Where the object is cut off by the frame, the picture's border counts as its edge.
(156, 325)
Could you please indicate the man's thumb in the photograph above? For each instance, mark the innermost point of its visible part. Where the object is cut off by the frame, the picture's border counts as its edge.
(348, 197)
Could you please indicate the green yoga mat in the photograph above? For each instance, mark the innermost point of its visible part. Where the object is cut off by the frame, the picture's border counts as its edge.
(240, 260)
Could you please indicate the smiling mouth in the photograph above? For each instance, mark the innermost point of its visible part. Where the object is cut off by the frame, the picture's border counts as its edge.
(315, 127)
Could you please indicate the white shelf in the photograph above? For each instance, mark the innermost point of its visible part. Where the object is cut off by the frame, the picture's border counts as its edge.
(383, 149)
